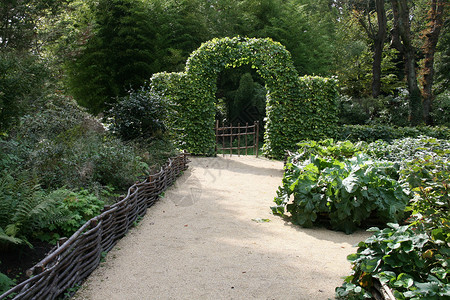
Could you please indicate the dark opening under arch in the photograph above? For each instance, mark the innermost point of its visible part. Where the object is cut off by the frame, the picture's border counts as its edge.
(291, 115)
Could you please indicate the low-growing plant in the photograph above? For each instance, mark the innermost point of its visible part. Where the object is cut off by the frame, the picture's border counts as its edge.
(372, 133)
(408, 149)
(329, 148)
(25, 208)
(412, 262)
(429, 177)
(81, 206)
(5, 283)
(348, 190)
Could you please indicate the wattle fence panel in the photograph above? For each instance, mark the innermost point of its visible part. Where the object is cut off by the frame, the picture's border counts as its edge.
(75, 258)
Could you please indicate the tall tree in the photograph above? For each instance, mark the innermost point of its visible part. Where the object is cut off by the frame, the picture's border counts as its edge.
(431, 37)
(365, 11)
(378, 43)
(119, 55)
(402, 41)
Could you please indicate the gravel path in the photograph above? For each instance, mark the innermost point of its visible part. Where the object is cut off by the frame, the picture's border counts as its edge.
(202, 240)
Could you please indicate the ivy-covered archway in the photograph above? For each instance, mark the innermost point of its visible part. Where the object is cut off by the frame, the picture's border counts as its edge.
(297, 108)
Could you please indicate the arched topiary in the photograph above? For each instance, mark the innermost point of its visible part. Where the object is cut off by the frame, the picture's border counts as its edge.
(297, 108)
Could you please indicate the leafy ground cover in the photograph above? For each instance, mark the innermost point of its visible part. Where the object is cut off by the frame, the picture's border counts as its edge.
(404, 184)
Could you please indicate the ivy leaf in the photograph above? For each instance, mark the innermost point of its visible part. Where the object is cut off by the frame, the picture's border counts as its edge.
(370, 265)
(404, 280)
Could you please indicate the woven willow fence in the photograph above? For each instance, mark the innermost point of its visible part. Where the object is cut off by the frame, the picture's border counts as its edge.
(71, 262)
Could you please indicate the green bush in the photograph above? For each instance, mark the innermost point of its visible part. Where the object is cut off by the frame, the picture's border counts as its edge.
(139, 115)
(371, 133)
(80, 206)
(441, 109)
(68, 147)
(5, 283)
(352, 182)
(387, 110)
(429, 178)
(323, 180)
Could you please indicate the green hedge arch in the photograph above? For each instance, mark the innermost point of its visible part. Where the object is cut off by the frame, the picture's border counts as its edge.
(297, 108)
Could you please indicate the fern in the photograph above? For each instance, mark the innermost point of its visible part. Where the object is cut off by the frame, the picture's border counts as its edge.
(9, 239)
(5, 283)
(26, 209)
(6, 200)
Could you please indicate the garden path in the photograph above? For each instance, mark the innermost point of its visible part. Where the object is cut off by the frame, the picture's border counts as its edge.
(202, 240)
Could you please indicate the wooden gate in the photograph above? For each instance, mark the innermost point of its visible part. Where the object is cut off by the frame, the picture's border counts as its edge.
(239, 138)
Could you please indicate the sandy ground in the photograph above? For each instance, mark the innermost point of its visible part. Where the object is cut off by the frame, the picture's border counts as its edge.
(201, 241)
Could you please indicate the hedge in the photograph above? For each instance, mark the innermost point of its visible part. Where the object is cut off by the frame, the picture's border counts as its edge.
(297, 108)
(388, 133)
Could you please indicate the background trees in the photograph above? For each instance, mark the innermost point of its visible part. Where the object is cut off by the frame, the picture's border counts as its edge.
(98, 50)
(118, 56)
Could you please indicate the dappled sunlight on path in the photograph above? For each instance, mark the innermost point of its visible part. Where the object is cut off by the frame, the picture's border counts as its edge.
(202, 241)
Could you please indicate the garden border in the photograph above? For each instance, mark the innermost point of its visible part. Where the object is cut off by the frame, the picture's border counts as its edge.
(75, 258)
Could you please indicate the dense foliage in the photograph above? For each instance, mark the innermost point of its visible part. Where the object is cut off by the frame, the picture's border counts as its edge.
(59, 166)
(372, 133)
(22, 77)
(56, 160)
(297, 109)
(139, 115)
(329, 178)
(406, 181)
(118, 56)
(414, 263)
(411, 259)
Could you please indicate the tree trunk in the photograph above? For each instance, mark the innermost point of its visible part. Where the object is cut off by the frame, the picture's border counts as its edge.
(378, 44)
(401, 40)
(431, 37)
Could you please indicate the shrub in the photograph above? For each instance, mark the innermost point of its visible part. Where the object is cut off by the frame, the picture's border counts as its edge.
(371, 133)
(139, 115)
(429, 178)
(349, 190)
(117, 165)
(441, 109)
(5, 283)
(352, 182)
(81, 206)
(387, 110)
(68, 147)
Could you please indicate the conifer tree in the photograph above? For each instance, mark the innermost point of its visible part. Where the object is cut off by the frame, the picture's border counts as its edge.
(117, 57)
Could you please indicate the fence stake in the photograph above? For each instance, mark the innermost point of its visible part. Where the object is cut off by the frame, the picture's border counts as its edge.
(257, 137)
(223, 140)
(217, 136)
(239, 139)
(231, 140)
(246, 143)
